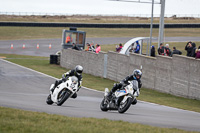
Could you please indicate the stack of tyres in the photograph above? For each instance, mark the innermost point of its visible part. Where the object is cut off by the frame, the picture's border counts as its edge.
(53, 59)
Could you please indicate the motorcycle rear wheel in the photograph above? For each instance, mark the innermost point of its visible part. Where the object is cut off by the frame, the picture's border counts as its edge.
(63, 98)
(103, 106)
(125, 106)
(49, 101)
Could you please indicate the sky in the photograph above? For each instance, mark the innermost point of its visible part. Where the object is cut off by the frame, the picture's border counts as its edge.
(99, 7)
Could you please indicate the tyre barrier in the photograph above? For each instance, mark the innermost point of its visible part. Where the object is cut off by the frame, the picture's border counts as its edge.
(54, 59)
(97, 25)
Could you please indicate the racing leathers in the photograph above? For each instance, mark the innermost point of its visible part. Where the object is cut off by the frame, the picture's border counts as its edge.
(124, 83)
(65, 77)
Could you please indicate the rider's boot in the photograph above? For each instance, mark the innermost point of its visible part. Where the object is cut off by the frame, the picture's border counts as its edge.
(115, 87)
(109, 96)
(52, 89)
(55, 85)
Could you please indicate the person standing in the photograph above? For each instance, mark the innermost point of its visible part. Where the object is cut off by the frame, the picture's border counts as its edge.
(153, 51)
(74, 46)
(193, 50)
(167, 50)
(198, 53)
(161, 49)
(98, 48)
(92, 48)
(118, 48)
(189, 48)
(137, 49)
(175, 51)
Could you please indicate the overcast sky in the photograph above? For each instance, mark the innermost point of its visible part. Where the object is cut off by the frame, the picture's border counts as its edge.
(98, 7)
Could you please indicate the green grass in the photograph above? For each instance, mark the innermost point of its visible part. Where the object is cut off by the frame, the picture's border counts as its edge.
(42, 64)
(18, 121)
(21, 33)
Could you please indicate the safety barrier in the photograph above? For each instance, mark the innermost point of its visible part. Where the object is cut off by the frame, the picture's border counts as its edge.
(87, 25)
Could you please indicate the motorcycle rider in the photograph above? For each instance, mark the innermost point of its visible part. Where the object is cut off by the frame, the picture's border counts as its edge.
(137, 74)
(77, 71)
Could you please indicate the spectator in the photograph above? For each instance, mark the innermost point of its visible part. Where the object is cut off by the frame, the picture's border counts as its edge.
(193, 50)
(98, 48)
(88, 47)
(92, 48)
(189, 48)
(75, 47)
(175, 51)
(198, 53)
(118, 48)
(132, 49)
(161, 49)
(68, 39)
(153, 51)
(167, 50)
(137, 49)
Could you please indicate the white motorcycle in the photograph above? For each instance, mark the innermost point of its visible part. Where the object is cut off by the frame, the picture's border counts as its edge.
(122, 99)
(63, 91)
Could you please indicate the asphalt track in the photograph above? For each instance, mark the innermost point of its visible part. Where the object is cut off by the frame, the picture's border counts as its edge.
(26, 89)
(30, 45)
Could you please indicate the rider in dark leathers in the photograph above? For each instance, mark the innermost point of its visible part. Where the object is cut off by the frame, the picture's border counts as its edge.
(137, 74)
(77, 71)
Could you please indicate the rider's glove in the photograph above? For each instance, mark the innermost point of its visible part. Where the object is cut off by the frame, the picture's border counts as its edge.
(63, 76)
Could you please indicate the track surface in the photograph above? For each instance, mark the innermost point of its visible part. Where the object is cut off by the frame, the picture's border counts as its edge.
(25, 89)
(30, 45)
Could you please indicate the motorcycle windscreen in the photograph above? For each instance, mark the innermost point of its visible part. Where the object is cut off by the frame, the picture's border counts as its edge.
(135, 84)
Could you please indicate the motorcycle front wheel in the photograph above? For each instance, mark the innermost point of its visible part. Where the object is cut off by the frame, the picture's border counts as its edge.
(103, 106)
(123, 107)
(63, 96)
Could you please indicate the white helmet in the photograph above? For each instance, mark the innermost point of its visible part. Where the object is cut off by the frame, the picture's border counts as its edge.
(79, 69)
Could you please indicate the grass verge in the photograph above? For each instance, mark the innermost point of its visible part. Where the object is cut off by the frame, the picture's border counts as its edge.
(42, 64)
(17, 33)
(18, 121)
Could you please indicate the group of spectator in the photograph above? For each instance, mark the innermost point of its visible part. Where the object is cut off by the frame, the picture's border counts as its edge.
(91, 47)
(190, 47)
(134, 49)
(192, 51)
(165, 50)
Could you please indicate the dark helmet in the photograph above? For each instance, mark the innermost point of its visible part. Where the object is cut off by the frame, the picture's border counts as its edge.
(79, 69)
(137, 74)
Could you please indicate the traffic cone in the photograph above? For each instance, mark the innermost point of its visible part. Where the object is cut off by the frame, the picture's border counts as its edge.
(23, 46)
(38, 46)
(50, 46)
(11, 46)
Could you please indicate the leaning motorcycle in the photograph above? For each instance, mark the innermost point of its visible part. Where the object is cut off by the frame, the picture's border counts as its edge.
(63, 91)
(122, 99)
